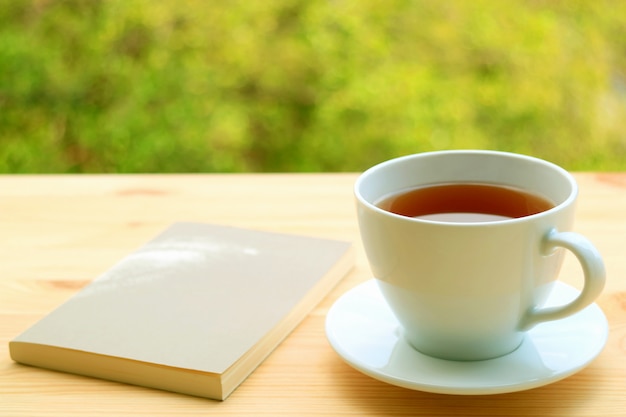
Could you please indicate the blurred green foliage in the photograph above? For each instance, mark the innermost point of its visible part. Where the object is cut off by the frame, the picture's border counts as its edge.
(307, 85)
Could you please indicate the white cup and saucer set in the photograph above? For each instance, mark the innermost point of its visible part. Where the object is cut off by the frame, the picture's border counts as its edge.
(465, 249)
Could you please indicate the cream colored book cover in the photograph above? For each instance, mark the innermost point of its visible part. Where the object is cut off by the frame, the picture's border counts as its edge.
(193, 311)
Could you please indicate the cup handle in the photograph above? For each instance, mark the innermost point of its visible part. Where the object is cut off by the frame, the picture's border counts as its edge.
(593, 270)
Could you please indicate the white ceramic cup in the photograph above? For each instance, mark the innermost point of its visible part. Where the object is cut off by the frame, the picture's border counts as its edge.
(469, 291)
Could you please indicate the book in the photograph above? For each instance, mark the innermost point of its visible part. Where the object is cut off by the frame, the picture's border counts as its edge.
(193, 311)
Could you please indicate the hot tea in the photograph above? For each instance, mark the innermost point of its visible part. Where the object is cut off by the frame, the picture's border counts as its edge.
(465, 202)
(466, 291)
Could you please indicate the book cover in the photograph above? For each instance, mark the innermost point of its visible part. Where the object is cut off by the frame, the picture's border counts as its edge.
(194, 311)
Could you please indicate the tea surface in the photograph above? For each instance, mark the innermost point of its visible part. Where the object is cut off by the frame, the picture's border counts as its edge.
(465, 202)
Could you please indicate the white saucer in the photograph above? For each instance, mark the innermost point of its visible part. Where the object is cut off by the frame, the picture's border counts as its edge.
(365, 333)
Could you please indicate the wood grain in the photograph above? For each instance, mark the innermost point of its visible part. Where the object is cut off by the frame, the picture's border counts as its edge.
(58, 232)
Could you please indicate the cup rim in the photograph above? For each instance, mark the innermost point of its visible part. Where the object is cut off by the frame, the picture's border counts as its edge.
(558, 207)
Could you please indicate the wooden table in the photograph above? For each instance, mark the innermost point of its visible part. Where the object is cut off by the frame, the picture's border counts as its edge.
(59, 232)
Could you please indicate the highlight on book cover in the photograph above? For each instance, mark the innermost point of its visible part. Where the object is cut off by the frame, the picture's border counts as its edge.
(194, 311)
